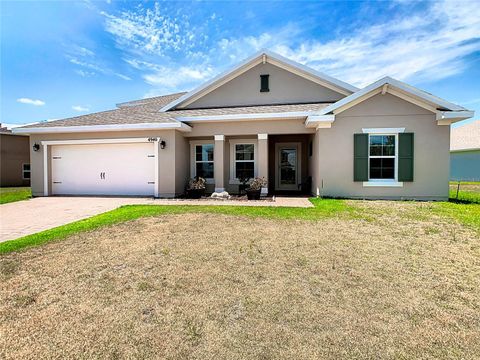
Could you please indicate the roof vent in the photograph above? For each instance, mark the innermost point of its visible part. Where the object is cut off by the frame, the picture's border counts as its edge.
(264, 83)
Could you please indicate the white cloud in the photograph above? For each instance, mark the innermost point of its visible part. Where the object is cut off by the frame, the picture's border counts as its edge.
(124, 77)
(93, 68)
(84, 73)
(31, 101)
(426, 47)
(80, 108)
(172, 78)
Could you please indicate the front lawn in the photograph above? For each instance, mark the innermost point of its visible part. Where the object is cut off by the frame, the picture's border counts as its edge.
(323, 208)
(349, 280)
(11, 194)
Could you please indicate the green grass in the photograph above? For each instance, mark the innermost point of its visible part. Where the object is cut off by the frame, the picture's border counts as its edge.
(469, 192)
(12, 194)
(466, 214)
(323, 208)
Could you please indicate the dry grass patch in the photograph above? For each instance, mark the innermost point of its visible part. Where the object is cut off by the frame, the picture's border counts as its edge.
(217, 286)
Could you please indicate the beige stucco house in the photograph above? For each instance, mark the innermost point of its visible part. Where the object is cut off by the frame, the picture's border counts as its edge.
(465, 152)
(270, 117)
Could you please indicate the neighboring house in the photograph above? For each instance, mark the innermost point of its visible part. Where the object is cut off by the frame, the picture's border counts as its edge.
(465, 152)
(14, 159)
(270, 117)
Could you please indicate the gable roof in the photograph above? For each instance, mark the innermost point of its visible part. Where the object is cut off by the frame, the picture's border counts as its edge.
(465, 137)
(263, 56)
(149, 114)
(398, 88)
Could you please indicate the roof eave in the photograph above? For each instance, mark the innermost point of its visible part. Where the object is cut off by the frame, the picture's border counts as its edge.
(104, 128)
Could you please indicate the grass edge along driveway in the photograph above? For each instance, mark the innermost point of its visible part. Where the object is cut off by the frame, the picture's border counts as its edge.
(323, 208)
(12, 194)
(466, 214)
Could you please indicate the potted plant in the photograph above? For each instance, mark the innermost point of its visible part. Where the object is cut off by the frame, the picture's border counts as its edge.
(253, 192)
(196, 188)
(243, 184)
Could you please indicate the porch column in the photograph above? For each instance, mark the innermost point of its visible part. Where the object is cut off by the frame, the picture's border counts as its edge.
(218, 162)
(263, 160)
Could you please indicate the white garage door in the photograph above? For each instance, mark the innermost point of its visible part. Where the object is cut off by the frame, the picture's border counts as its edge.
(103, 169)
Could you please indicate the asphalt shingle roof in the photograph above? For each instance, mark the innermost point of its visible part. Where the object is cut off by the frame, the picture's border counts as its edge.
(148, 111)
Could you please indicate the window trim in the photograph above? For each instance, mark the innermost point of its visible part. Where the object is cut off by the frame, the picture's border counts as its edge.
(384, 182)
(233, 180)
(29, 171)
(193, 158)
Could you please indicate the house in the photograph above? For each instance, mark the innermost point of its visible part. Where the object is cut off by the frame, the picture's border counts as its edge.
(14, 158)
(465, 152)
(269, 117)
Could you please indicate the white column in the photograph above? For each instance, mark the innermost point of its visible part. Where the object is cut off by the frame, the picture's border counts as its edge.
(263, 159)
(218, 162)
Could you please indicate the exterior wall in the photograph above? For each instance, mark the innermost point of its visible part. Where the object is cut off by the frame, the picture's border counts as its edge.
(14, 152)
(285, 87)
(271, 127)
(173, 163)
(333, 151)
(465, 165)
(182, 162)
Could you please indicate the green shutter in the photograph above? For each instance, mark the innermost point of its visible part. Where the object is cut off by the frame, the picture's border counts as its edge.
(405, 157)
(360, 157)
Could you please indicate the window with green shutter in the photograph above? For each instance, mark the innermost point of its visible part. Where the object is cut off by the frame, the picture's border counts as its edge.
(405, 157)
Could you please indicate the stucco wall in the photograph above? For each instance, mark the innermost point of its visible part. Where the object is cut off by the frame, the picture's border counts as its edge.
(273, 127)
(285, 87)
(14, 152)
(171, 159)
(332, 168)
(182, 162)
(465, 165)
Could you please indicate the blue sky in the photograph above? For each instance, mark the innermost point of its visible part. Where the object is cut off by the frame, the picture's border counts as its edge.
(68, 58)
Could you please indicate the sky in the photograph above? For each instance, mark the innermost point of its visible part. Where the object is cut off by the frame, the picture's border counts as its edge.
(66, 58)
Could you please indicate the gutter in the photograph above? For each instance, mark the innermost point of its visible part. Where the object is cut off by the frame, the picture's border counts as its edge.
(104, 128)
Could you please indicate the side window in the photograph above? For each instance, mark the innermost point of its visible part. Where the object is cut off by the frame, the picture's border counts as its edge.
(381, 155)
(244, 165)
(26, 171)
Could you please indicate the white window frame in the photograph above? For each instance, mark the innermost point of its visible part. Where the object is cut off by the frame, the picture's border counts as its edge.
(24, 171)
(233, 162)
(384, 182)
(193, 158)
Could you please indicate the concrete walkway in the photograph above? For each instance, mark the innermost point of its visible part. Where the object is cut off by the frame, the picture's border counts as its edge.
(31, 216)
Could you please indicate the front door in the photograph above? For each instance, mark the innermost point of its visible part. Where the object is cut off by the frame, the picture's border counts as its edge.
(287, 166)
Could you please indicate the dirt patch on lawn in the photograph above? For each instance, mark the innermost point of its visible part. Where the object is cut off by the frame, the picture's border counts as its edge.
(222, 287)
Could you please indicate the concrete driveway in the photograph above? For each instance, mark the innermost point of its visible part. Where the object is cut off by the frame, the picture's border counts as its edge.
(22, 218)
(27, 217)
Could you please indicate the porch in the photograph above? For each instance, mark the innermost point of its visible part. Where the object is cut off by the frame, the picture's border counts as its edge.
(226, 162)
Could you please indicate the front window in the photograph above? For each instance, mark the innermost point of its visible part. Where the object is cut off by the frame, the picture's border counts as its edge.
(26, 171)
(244, 161)
(381, 157)
(204, 161)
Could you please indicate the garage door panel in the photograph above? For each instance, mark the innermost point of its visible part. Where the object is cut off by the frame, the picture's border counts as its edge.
(103, 169)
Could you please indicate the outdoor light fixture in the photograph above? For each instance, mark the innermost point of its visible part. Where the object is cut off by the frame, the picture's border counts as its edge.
(163, 144)
(36, 147)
